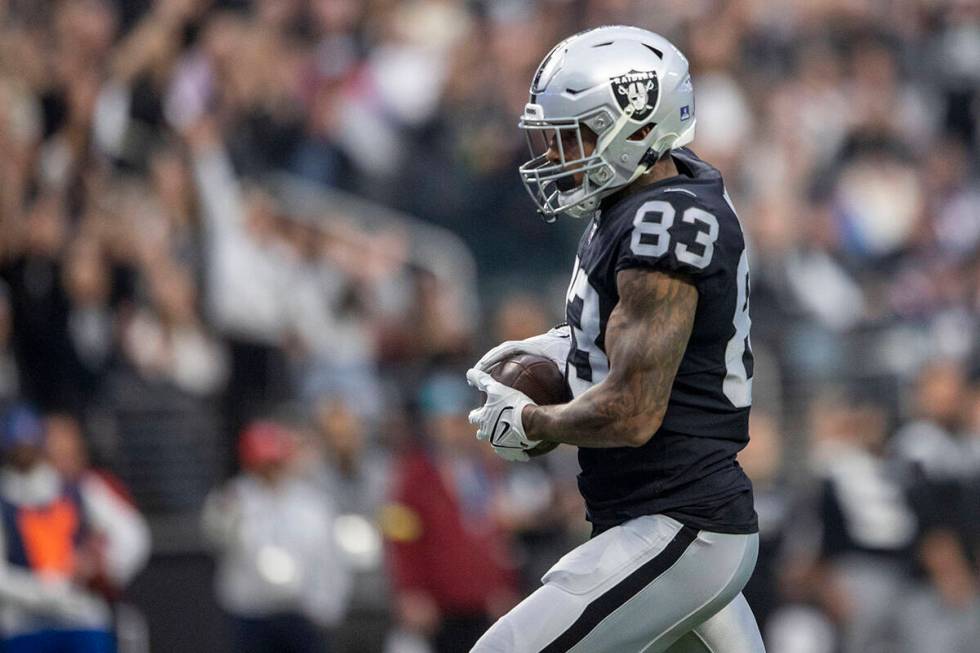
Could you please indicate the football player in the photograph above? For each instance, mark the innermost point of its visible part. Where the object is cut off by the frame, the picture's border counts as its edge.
(656, 353)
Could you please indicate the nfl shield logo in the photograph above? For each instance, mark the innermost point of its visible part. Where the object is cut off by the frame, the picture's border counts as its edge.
(685, 113)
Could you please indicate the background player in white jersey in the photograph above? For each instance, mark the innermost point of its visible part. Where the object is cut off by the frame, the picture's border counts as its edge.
(656, 353)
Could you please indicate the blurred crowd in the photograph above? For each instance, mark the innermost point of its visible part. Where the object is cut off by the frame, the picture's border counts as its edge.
(193, 322)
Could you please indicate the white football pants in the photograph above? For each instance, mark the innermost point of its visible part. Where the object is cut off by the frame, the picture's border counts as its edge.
(647, 586)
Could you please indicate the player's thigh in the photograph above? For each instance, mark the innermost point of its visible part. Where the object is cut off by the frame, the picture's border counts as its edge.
(564, 608)
(705, 579)
(731, 630)
(636, 587)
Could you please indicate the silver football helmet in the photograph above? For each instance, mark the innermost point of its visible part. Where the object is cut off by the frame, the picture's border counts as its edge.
(613, 81)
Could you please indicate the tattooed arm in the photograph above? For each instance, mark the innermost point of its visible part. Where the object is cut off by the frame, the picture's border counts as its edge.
(645, 341)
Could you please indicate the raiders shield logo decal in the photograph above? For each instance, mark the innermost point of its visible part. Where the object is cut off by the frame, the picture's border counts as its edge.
(637, 93)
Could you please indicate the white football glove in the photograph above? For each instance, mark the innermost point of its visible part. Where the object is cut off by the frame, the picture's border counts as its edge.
(499, 419)
(554, 345)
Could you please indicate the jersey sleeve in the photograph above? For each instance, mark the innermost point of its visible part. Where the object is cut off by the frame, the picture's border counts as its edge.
(670, 233)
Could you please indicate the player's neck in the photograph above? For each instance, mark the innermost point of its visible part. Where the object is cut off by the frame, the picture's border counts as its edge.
(665, 168)
(662, 169)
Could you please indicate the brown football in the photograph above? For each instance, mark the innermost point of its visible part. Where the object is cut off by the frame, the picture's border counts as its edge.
(540, 379)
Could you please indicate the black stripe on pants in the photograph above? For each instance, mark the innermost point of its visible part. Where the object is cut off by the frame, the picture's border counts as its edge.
(622, 592)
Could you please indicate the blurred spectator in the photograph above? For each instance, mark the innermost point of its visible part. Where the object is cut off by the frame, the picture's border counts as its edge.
(933, 439)
(954, 199)
(724, 117)
(329, 313)
(947, 604)
(40, 310)
(280, 575)
(167, 341)
(353, 469)
(246, 279)
(91, 327)
(173, 187)
(869, 527)
(878, 196)
(452, 565)
(120, 533)
(70, 543)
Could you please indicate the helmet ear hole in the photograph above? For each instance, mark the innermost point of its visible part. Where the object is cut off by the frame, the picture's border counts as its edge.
(642, 132)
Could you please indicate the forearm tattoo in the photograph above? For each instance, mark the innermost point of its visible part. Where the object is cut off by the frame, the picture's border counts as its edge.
(645, 340)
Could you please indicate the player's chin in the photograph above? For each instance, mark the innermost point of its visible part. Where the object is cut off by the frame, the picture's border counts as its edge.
(569, 182)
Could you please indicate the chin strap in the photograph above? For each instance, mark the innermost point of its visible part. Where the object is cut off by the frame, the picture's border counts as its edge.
(647, 161)
(650, 159)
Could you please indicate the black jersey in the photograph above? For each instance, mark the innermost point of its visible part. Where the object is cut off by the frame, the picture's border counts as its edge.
(685, 225)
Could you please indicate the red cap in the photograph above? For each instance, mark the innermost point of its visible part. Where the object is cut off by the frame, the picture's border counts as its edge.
(264, 442)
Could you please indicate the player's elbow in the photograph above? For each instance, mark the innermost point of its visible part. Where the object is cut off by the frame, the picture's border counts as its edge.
(637, 440)
(641, 429)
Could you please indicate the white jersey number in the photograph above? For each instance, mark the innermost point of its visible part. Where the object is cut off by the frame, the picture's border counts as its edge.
(587, 364)
(651, 233)
(737, 385)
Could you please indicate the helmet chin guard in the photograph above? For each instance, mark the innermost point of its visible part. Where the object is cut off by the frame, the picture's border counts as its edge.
(566, 180)
(599, 89)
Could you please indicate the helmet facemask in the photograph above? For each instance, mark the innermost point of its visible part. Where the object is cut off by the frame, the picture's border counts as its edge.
(572, 182)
